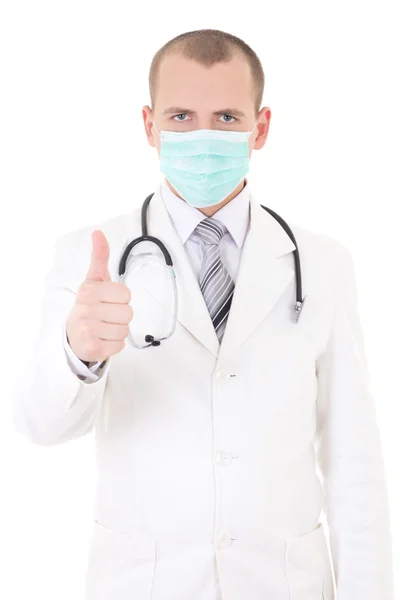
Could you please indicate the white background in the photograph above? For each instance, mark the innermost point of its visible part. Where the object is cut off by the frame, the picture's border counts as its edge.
(73, 152)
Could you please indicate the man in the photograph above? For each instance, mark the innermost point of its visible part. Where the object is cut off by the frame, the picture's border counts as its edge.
(208, 444)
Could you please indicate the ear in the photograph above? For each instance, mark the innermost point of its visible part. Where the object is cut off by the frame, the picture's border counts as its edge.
(264, 119)
(147, 115)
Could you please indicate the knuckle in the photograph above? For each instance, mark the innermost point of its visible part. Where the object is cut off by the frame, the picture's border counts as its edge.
(87, 330)
(129, 313)
(128, 294)
(124, 292)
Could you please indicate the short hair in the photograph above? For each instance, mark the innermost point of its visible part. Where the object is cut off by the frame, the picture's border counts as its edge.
(207, 47)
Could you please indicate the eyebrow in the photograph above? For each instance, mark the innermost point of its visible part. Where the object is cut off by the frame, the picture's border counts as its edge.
(225, 111)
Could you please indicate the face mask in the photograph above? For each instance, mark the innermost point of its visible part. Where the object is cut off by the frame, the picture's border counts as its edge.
(204, 165)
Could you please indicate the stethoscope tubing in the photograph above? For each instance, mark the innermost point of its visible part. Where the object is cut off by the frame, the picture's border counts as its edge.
(297, 307)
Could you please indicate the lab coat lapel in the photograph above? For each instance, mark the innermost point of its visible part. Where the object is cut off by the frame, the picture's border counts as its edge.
(261, 278)
(192, 309)
(260, 281)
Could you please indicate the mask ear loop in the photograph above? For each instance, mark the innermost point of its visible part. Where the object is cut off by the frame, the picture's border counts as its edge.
(154, 125)
(254, 126)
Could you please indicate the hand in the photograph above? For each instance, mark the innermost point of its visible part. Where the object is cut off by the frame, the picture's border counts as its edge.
(98, 323)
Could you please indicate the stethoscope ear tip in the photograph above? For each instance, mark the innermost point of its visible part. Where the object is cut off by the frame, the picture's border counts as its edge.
(150, 338)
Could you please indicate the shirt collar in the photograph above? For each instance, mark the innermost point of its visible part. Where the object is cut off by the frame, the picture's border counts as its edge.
(235, 214)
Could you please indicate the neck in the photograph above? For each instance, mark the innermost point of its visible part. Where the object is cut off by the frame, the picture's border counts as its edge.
(209, 211)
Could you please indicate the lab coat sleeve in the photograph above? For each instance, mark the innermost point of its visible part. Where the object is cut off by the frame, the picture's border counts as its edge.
(88, 374)
(349, 453)
(51, 404)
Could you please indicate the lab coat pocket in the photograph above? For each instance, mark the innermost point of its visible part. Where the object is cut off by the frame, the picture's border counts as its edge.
(121, 565)
(308, 568)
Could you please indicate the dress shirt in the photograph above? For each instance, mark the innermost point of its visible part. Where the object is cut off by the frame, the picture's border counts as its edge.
(236, 217)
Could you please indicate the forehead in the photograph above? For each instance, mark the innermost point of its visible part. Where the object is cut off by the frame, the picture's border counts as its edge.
(185, 82)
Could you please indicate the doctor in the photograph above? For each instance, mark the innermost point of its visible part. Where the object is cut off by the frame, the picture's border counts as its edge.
(219, 450)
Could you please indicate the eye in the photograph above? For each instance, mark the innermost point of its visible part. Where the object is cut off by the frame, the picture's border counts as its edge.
(229, 117)
(180, 115)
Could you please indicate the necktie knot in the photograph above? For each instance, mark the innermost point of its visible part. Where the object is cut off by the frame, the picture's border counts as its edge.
(211, 230)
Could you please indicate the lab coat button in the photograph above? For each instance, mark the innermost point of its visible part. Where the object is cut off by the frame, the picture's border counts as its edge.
(224, 458)
(224, 540)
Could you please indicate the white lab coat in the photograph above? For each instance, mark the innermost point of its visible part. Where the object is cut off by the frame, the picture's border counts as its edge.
(214, 463)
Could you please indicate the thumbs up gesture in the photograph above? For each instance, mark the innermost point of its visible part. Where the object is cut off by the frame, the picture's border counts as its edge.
(98, 269)
(98, 323)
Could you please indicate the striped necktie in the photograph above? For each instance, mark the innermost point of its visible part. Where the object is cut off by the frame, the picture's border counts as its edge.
(215, 282)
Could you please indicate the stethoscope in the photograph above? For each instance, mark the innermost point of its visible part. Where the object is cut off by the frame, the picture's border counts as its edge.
(150, 339)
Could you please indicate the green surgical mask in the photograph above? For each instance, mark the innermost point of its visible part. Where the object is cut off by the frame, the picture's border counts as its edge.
(204, 165)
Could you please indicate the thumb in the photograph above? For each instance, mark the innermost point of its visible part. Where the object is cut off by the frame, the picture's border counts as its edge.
(98, 269)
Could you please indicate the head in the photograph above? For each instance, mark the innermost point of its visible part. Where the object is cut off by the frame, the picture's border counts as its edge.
(207, 79)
